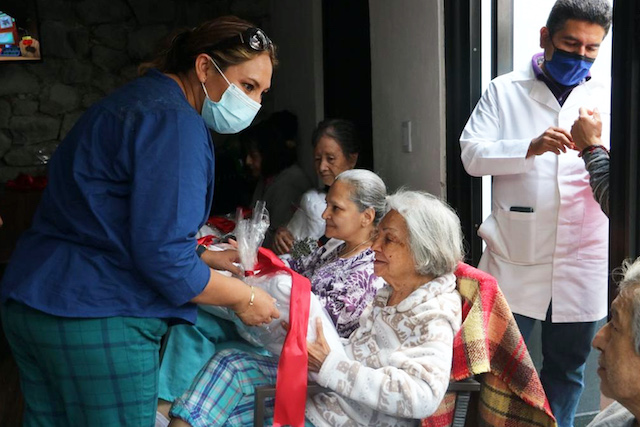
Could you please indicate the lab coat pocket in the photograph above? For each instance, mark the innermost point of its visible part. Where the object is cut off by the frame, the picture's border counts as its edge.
(511, 235)
(490, 233)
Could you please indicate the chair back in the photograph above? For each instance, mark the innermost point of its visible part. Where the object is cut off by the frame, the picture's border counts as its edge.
(489, 343)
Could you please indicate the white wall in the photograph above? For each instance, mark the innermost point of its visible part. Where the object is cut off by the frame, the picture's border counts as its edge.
(528, 18)
(407, 61)
(296, 28)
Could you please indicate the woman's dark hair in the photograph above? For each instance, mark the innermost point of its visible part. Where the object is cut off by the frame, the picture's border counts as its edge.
(592, 11)
(179, 50)
(344, 132)
(272, 138)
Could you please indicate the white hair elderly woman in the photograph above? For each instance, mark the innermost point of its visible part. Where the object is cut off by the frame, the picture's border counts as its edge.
(395, 367)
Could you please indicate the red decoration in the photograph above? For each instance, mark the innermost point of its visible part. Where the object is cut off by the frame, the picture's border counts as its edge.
(206, 240)
(25, 182)
(291, 383)
(225, 225)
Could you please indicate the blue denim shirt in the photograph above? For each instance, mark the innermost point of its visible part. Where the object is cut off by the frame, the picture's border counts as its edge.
(114, 234)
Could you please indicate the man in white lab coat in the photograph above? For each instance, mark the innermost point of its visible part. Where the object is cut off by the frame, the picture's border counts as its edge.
(547, 239)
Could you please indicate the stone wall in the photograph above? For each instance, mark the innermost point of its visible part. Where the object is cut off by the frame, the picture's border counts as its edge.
(90, 47)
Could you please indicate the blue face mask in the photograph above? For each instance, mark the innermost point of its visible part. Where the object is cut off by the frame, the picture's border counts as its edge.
(568, 68)
(233, 113)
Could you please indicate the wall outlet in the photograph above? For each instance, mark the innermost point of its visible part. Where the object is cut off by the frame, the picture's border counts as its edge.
(407, 147)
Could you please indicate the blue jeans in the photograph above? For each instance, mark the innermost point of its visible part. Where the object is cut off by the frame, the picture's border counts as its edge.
(565, 348)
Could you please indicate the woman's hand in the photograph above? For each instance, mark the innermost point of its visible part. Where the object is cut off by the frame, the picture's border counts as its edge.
(262, 311)
(282, 241)
(222, 260)
(587, 129)
(318, 350)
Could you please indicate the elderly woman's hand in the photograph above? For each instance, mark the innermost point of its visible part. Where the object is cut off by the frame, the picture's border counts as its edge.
(587, 129)
(261, 310)
(318, 350)
(282, 241)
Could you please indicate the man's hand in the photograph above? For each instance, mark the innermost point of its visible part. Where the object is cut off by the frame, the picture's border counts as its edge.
(222, 260)
(283, 241)
(554, 139)
(587, 129)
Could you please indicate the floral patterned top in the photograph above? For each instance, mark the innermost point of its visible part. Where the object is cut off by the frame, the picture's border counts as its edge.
(343, 286)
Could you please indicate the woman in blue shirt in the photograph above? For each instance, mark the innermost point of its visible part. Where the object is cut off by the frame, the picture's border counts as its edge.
(111, 256)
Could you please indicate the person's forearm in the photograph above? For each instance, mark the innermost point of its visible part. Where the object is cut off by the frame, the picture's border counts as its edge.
(597, 163)
(496, 156)
(251, 304)
(375, 389)
(224, 291)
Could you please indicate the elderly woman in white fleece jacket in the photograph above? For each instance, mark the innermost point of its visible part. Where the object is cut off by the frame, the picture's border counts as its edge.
(395, 368)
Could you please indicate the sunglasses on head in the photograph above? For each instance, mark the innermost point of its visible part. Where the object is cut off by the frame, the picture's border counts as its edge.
(253, 38)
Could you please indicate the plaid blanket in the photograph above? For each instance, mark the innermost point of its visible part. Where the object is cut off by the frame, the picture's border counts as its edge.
(489, 345)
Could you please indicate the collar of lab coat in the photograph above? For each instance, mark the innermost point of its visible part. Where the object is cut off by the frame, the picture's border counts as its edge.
(539, 91)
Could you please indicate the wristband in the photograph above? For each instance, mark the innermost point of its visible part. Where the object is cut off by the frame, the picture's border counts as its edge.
(200, 250)
(590, 149)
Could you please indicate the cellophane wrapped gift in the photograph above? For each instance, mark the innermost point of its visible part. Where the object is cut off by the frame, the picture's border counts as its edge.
(250, 234)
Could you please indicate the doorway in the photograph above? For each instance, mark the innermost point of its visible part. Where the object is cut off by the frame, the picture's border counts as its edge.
(347, 68)
(486, 38)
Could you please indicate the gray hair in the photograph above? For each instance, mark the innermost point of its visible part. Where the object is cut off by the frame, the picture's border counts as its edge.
(630, 283)
(368, 191)
(435, 236)
(592, 11)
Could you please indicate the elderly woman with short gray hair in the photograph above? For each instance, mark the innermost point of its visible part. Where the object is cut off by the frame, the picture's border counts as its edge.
(341, 271)
(395, 367)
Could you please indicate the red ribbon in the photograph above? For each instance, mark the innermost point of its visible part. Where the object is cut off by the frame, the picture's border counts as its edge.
(225, 225)
(291, 383)
(206, 240)
(25, 182)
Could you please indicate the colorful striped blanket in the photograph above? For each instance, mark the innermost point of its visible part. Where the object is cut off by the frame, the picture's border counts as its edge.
(489, 346)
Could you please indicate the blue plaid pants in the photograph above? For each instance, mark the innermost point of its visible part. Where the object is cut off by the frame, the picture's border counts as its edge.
(85, 372)
(222, 394)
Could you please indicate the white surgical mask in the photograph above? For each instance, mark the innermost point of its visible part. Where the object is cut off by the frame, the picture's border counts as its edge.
(233, 113)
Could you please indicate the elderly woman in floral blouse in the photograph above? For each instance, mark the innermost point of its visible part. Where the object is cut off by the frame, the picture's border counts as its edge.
(395, 368)
(341, 275)
(341, 271)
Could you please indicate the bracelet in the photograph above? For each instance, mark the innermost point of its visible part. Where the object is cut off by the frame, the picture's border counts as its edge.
(253, 295)
(590, 149)
(200, 250)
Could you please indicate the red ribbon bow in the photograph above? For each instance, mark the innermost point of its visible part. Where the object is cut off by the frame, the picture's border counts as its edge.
(291, 383)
